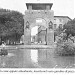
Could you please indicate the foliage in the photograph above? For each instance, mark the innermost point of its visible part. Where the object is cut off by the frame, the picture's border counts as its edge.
(11, 23)
(65, 48)
(70, 28)
(58, 31)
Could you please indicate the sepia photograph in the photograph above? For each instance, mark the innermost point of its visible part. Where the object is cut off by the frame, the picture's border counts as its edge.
(37, 34)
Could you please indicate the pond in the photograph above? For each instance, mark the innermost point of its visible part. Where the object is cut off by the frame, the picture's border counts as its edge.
(35, 58)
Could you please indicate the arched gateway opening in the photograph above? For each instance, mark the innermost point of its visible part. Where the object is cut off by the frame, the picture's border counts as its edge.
(41, 18)
(38, 36)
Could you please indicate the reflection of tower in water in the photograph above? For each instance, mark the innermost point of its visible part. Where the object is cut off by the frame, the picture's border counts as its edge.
(34, 56)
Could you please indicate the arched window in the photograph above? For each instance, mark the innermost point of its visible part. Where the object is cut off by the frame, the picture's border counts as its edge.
(50, 25)
(27, 25)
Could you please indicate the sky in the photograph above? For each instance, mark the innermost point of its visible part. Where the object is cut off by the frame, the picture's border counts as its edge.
(60, 7)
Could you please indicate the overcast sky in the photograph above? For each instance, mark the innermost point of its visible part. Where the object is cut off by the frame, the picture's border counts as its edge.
(60, 7)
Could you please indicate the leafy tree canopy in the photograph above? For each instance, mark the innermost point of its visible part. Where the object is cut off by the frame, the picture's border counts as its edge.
(11, 23)
(70, 28)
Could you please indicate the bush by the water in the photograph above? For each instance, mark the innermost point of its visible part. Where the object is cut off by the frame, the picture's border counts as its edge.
(65, 48)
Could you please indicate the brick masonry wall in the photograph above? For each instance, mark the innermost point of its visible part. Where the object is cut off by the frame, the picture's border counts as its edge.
(31, 16)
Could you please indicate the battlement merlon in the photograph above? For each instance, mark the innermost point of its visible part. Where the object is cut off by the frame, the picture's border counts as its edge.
(39, 6)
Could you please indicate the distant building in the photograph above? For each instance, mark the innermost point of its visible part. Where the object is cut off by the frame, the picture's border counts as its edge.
(59, 21)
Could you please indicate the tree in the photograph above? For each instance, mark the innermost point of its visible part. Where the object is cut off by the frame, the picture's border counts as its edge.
(70, 28)
(11, 24)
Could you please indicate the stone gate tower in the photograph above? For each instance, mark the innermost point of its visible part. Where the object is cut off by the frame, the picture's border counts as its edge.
(39, 14)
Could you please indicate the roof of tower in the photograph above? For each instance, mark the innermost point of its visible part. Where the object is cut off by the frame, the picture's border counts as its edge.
(39, 6)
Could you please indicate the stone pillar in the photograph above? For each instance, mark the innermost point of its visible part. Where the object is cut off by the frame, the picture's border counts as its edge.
(50, 33)
(27, 37)
(50, 37)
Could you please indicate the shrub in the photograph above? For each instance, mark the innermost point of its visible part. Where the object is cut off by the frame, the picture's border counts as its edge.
(65, 48)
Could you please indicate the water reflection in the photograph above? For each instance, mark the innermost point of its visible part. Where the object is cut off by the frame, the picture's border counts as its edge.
(34, 55)
(46, 58)
(51, 60)
(35, 58)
